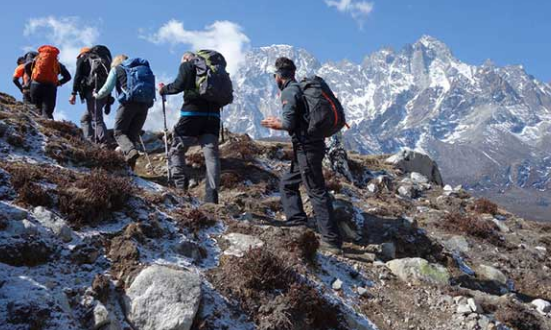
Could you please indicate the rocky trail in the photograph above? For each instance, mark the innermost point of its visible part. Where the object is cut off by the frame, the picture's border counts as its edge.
(87, 244)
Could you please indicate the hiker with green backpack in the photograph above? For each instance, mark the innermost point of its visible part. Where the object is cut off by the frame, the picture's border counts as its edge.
(93, 65)
(310, 114)
(135, 85)
(207, 88)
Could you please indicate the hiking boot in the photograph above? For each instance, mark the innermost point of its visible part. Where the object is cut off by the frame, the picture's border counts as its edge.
(295, 223)
(330, 248)
(132, 158)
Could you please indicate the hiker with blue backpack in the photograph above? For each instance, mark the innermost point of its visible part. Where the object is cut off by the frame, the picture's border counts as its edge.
(310, 114)
(207, 88)
(135, 85)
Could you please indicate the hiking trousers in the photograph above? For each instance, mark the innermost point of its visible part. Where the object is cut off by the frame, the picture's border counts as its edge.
(44, 98)
(92, 123)
(306, 168)
(129, 122)
(192, 131)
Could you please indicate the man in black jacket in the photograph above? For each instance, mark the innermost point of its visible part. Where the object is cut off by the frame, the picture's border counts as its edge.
(199, 124)
(306, 166)
(91, 122)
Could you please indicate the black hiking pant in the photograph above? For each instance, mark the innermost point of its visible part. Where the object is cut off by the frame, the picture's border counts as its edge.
(306, 168)
(129, 122)
(44, 98)
(92, 123)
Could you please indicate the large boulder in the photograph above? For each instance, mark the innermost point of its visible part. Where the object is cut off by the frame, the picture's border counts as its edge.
(163, 298)
(419, 271)
(490, 273)
(410, 161)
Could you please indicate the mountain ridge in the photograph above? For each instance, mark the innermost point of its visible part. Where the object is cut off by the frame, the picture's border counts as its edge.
(422, 97)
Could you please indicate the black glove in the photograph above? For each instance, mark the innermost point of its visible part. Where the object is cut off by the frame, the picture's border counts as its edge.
(107, 109)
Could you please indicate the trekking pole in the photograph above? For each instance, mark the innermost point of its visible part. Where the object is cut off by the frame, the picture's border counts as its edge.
(149, 165)
(96, 109)
(169, 176)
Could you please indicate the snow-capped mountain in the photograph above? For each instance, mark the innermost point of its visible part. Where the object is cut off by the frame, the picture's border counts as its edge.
(487, 126)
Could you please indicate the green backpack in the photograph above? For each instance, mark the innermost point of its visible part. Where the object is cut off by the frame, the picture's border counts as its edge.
(213, 81)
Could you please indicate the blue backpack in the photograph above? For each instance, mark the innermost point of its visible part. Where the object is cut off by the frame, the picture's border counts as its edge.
(140, 82)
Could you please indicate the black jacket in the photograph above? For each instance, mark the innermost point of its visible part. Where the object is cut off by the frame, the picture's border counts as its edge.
(294, 113)
(185, 82)
(81, 75)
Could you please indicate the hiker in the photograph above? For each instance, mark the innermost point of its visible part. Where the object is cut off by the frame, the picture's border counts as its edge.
(93, 65)
(44, 71)
(306, 166)
(134, 101)
(338, 159)
(199, 122)
(21, 80)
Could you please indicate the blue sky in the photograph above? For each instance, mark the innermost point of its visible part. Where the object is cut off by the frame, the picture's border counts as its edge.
(508, 32)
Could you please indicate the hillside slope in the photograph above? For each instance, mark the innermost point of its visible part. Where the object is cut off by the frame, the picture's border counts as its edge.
(87, 244)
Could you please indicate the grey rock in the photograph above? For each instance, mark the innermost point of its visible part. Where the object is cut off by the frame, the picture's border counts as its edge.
(53, 222)
(463, 309)
(240, 244)
(491, 274)
(407, 191)
(104, 319)
(363, 292)
(189, 249)
(418, 178)
(337, 284)
(475, 306)
(388, 250)
(372, 188)
(162, 298)
(502, 227)
(418, 271)
(457, 244)
(22, 228)
(411, 161)
(542, 306)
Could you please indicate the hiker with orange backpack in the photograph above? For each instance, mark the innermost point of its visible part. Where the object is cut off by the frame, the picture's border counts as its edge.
(44, 71)
(19, 75)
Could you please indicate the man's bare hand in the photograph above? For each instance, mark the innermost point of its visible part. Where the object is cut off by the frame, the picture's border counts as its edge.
(272, 123)
(72, 99)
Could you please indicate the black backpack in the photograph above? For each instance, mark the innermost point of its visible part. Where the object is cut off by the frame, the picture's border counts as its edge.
(324, 112)
(213, 81)
(30, 56)
(99, 59)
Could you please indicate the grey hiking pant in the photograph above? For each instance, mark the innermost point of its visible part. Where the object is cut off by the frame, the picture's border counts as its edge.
(93, 118)
(209, 144)
(306, 168)
(129, 122)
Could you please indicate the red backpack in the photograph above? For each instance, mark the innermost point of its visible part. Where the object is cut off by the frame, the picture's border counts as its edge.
(45, 67)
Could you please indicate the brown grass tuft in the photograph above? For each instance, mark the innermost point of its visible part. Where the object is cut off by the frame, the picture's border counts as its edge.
(306, 246)
(518, 317)
(230, 180)
(473, 226)
(193, 220)
(483, 205)
(93, 197)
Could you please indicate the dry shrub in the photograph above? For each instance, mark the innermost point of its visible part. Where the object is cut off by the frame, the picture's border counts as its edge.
(63, 128)
(101, 286)
(93, 197)
(243, 147)
(32, 194)
(23, 180)
(230, 180)
(472, 226)
(483, 205)
(332, 182)
(196, 159)
(193, 220)
(272, 293)
(82, 153)
(306, 246)
(518, 317)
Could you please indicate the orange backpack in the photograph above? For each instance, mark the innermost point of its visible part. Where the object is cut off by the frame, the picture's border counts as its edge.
(46, 66)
